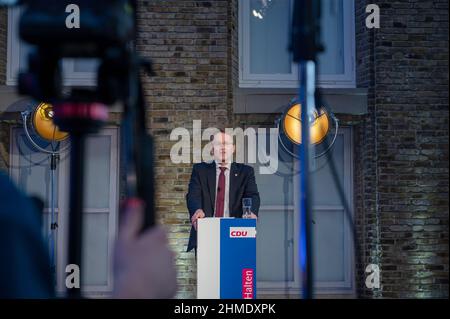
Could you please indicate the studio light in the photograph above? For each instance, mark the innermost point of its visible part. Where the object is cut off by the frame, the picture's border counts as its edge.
(43, 124)
(321, 124)
(46, 138)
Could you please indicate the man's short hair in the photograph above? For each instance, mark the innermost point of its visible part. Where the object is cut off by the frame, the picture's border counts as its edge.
(220, 130)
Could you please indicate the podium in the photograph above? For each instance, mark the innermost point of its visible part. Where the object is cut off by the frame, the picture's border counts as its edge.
(226, 258)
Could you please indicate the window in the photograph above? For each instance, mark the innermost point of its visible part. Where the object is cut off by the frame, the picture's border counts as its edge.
(264, 39)
(76, 72)
(30, 170)
(277, 244)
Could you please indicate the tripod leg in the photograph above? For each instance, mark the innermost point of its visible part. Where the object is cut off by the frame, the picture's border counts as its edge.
(77, 151)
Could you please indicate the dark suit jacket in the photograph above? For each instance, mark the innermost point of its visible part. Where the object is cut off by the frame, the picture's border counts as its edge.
(202, 192)
(24, 262)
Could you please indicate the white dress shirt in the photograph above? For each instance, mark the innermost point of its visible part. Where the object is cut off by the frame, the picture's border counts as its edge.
(226, 206)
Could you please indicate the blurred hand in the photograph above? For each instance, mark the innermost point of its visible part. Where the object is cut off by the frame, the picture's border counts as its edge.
(143, 264)
(199, 213)
(251, 215)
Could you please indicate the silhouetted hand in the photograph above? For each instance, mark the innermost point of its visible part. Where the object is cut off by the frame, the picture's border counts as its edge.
(143, 263)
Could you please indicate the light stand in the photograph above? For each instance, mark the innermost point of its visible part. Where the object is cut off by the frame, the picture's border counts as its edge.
(54, 157)
(305, 45)
(306, 94)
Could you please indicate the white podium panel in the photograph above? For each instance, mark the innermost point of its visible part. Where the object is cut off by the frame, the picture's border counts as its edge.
(226, 258)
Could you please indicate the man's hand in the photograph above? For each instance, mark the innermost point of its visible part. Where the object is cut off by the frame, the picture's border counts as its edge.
(199, 213)
(143, 265)
(251, 215)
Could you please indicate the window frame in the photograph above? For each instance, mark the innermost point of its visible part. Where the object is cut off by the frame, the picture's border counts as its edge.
(294, 287)
(248, 80)
(14, 62)
(63, 206)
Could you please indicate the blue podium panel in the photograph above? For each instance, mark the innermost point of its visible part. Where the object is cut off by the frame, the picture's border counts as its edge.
(237, 258)
(226, 258)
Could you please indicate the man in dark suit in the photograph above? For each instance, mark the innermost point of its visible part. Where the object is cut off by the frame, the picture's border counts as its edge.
(216, 189)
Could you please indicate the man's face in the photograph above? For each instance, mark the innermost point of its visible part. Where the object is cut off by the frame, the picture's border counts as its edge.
(223, 148)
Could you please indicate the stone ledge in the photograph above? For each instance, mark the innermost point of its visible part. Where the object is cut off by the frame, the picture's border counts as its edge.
(343, 101)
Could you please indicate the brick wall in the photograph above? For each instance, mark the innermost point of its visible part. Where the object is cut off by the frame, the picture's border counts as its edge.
(188, 42)
(365, 164)
(3, 44)
(4, 126)
(4, 146)
(403, 156)
(401, 145)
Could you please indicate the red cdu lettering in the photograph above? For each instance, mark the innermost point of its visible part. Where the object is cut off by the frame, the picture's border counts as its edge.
(238, 233)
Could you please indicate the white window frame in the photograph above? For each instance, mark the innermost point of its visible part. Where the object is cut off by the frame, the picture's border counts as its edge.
(14, 63)
(63, 206)
(248, 80)
(294, 287)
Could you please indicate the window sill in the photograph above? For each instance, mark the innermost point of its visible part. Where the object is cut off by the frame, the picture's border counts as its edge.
(273, 100)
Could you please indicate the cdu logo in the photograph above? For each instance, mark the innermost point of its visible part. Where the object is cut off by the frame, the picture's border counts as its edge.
(242, 232)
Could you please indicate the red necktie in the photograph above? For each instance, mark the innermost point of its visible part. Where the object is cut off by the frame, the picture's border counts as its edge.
(220, 194)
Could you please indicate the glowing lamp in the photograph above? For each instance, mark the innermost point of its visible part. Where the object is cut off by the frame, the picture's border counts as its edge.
(44, 126)
(319, 125)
